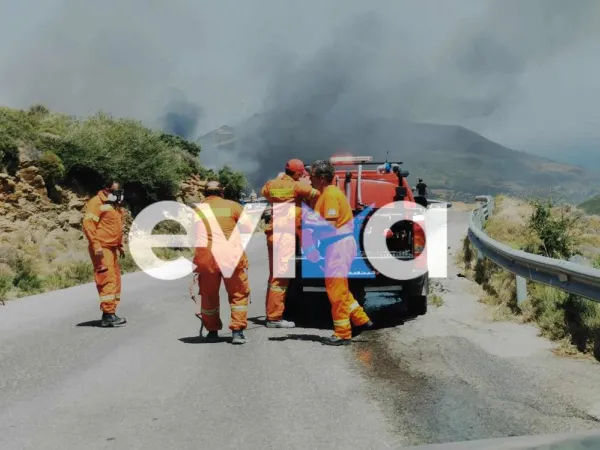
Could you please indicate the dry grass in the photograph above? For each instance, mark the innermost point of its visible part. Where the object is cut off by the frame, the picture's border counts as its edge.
(436, 300)
(40, 261)
(571, 321)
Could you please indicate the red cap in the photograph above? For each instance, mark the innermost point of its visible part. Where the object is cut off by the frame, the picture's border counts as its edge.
(295, 165)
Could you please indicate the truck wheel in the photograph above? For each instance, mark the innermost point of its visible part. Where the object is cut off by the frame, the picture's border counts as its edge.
(417, 305)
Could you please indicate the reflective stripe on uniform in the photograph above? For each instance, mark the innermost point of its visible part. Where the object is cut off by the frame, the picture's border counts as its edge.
(236, 308)
(313, 192)
(341, 323)
(93, 217)
(107, 298)
(353, 306)
(222, 212)
(281, 192)
(209, 312)
(277, 288)
(106, 207)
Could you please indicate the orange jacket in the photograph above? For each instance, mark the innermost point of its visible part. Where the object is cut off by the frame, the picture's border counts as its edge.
(227, 214)
(103, 223)
(285, 189)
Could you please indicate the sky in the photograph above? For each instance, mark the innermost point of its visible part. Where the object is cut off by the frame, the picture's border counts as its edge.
(523, 73)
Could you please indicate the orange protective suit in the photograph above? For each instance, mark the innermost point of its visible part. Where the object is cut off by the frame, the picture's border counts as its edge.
(103, 228)
(283, 190)
(227, 214)
(335, 208)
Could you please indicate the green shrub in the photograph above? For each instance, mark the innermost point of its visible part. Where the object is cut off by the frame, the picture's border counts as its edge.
(6, 284)
(17, 124)
(38, 110)
(9, 154)
(555, 233)
(51, 168)
(26, 279)
(175, 141)
(234, 182)
(168, 227)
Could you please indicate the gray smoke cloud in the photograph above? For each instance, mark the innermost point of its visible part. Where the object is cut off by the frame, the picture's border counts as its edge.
(361, 89)
(182, 117)
(522, 72)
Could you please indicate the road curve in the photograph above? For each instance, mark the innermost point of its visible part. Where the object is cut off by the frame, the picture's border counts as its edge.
(451, 375)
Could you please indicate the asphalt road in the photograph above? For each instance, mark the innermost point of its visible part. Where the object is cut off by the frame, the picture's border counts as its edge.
(451, 375)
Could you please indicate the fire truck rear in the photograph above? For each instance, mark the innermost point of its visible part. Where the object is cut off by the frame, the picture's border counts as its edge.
(369, 191)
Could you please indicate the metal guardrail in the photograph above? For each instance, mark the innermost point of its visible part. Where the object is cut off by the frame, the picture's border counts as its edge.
(568, 276)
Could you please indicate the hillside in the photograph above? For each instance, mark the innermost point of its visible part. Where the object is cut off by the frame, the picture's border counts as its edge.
(592, 205)
(51, 164)
(454, 161)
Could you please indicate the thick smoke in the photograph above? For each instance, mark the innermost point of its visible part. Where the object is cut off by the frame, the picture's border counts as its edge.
(359, 91)
(345, 74)
(182, 118)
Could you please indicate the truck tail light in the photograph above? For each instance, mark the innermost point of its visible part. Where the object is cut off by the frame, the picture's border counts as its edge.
(418, 239)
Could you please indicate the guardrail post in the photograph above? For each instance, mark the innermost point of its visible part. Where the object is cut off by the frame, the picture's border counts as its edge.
(521, 290)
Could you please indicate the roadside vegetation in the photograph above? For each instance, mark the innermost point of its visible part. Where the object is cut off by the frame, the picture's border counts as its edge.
(542, 228)
(73, 157)
(591, 206)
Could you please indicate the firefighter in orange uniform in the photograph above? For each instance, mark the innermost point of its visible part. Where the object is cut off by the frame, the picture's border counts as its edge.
(292, 187)
(227, 214)
(340, 251)
(103, 228)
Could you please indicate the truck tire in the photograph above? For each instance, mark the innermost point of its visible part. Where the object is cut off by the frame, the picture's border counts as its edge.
(417, 305)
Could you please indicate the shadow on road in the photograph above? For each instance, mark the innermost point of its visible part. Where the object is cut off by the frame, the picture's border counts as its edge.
(261, 320)
(315, 312)
(309, 338)
(200, 340)
(91, 323)
(298, 337)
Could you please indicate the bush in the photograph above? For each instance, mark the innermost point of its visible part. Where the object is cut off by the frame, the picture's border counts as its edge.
(233, 182)
(555, 233)
(175, 141)
(9, 154)
(124, 149)
(6, 284)
(26, 278)
(51, 168)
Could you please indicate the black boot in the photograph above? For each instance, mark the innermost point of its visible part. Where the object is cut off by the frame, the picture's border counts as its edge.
(212, 336)
(112, 320)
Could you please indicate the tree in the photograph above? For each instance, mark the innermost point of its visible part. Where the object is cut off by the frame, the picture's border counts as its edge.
(176, 141)
(234, 182)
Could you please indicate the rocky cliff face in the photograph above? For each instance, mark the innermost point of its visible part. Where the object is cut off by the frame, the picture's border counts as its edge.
(192, 190)
(24, 198)
(24, 201)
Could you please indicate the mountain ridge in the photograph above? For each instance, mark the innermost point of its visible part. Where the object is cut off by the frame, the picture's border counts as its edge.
(454, 161)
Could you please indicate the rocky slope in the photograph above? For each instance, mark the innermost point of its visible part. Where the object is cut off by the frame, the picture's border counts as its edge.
(42, 246)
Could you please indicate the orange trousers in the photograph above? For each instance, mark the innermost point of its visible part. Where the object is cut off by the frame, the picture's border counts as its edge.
(238, 290)
(108, 283)
(277, 287)
(344, 307)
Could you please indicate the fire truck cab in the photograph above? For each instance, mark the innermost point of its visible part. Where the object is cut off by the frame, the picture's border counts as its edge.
(370, 187)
